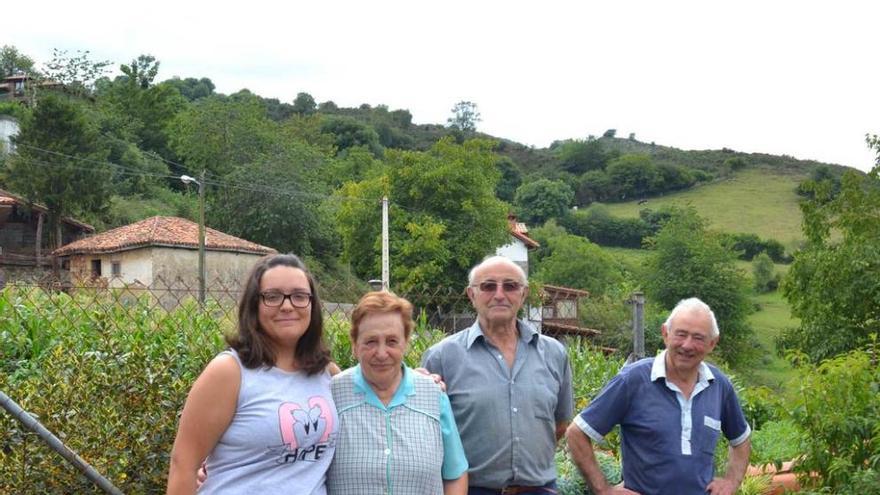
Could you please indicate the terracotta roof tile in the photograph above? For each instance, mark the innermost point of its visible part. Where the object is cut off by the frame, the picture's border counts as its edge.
(520, 231)
(160, 231)
(6, 200)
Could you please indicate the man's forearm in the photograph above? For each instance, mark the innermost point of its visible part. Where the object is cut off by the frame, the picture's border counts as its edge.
(738, 462)
(581, 448)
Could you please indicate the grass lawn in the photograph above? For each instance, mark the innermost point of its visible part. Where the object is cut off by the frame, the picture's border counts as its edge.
(768, 322)
(754, 201)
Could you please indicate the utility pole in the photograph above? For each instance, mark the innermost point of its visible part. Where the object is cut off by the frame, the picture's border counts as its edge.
(386, 280)
(202, 274)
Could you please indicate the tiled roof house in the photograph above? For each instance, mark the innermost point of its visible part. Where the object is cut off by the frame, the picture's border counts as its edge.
(161, 250)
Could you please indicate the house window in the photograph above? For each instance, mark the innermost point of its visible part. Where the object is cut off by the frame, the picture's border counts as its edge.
(567, 309)
(116, 268)
(96, 268)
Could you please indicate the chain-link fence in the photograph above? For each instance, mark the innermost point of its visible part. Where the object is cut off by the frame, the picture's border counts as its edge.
(107, 366)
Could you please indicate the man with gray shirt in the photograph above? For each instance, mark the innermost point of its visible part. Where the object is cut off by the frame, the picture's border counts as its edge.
(510, 387)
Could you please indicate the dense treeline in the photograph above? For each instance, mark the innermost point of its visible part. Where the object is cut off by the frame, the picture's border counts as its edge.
(306, 176)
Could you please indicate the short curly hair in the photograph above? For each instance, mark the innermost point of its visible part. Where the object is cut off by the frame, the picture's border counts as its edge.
(382, 302)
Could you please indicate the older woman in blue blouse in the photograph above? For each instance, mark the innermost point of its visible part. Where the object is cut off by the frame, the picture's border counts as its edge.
(396, 434)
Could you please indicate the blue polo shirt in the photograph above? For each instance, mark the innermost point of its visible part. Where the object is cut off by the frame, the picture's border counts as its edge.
(667, 441)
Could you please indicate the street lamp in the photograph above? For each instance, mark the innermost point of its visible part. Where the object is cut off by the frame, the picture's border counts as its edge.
(202, 276)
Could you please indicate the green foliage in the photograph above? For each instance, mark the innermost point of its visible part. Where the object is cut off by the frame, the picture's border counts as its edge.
(133, 108)
(60, 162)
(577, 156)
(191, 88)
(13, 61)
(763, 274)
(444, 215)
(543, 199)
(598, 225)
(77, 73)
(282, 205)
(510, 180)
(833, 285)
(838, 408)
(633, 176)
(304, 104)
(690, 260)
(576, 262)
(219, 133)
(465, 116)
(750, 245)
(350, 133)
(570, 481)
(594, 185)
(776, 442)
(107, 381)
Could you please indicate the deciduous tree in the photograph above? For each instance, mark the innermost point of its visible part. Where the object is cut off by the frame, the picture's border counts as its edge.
(465, 116)
(833, 284)
(537, 201)
(59, 162)
(444, 215)
(688, 260)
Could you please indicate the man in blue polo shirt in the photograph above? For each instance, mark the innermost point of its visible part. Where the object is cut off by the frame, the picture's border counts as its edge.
(671, 410)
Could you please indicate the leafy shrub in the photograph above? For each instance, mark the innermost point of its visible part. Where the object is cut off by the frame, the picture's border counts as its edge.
(776, 442)
(108, 378)
(838, 408)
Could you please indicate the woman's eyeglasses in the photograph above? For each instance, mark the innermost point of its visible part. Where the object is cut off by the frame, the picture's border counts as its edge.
(276, 299)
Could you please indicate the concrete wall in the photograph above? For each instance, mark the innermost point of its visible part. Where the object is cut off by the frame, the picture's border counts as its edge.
(8, 128)
(517, 252)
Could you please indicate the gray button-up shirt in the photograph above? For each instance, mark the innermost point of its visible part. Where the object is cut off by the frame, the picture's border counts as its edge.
(507, 417)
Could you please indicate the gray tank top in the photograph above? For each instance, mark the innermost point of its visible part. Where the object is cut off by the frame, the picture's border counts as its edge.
(281, 439)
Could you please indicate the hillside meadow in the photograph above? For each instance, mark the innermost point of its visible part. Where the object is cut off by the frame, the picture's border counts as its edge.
(758, 200)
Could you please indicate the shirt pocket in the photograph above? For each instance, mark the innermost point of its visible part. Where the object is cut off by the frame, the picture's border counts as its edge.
(709, 432)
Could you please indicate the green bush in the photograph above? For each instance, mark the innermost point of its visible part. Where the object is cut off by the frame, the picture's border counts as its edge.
(106, 376)
(838, 408)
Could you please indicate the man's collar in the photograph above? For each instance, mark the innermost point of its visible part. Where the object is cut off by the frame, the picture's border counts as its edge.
(526, 332)
(658, 369)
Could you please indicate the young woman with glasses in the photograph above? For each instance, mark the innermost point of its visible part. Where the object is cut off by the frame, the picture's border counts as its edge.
(261, 412)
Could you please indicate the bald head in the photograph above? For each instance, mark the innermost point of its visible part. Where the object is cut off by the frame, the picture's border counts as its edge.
(494, 261)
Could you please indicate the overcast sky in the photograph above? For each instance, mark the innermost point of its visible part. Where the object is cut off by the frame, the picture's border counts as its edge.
(782, 77)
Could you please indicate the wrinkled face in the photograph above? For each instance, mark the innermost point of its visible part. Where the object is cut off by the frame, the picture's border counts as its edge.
(688, 340)
(284, 324)
(380, 346)
(503, 303)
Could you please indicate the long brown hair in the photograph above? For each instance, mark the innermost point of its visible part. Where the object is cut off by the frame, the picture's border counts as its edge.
(251, 342)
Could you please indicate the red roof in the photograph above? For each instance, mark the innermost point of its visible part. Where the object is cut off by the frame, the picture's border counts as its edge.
(519, 230)
(160, 231)
(9, 199)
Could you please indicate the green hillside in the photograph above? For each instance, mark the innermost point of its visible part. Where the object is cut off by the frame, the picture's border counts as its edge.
(759, 201)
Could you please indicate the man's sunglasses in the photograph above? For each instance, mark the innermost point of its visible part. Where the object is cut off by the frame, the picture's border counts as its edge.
(506, 286)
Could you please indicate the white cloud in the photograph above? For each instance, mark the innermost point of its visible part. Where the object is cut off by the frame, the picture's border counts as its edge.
(775, 77)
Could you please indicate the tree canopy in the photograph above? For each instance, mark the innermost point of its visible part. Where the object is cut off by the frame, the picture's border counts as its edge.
(444, 216)
(689, 260)
(60, 162)
(833, 284)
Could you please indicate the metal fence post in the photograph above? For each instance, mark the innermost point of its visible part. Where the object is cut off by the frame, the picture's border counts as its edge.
(56, 444)
(638, 303)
